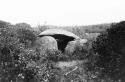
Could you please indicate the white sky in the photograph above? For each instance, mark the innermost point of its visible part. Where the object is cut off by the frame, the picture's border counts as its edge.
(62, 12)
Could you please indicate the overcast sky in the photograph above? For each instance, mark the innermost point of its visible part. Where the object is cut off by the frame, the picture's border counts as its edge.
(62, 12)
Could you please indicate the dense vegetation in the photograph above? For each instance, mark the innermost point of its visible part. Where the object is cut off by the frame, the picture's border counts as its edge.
(14, 53)
(110, 47)
(22, 61)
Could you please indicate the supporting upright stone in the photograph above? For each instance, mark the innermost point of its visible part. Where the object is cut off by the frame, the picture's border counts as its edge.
(47, 43)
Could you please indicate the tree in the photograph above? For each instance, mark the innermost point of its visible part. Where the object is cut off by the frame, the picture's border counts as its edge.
(110, 47)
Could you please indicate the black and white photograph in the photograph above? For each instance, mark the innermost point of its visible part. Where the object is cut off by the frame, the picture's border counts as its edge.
(62, 40)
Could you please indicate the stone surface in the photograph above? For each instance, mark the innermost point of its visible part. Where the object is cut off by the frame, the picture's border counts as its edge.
(47, 43)
(72, 45)
(52, 32)
(70, 48)
(62, 37)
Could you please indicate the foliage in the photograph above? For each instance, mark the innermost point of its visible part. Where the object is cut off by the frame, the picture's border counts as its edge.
(21, 61)
(26, 34)
(23, 25)
(110, 48)
(43, 28)
(14, 57)
(3, 24)
(79, 32)
(9, 48)
(55, 55)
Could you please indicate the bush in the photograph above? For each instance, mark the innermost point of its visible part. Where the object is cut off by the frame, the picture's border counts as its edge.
(110, 47)
(4, 24)
(25, 34)
(15, 57)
